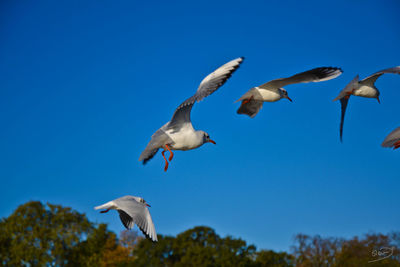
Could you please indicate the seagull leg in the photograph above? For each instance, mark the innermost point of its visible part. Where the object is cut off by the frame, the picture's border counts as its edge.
(396, 145)
(166, 161)
(171, 154)
(247, 100)
(104, 211)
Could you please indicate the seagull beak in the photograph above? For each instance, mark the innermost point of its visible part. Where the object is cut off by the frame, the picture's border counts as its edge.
(289, 98)
(211, 141)
(377, 98)
(147, 205)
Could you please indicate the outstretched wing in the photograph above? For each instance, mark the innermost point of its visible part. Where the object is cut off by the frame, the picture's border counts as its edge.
(370, 80)
(393, 139)
(208, 86)
(132, 212)
(314, 75)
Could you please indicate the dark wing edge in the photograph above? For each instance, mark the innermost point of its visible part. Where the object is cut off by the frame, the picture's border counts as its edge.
(343, 101)
(126, 220)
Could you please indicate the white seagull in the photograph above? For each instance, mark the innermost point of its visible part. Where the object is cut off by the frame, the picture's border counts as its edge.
(364, 88)
(272, 91)
(178, 133)
(132, 210)
(393, 139)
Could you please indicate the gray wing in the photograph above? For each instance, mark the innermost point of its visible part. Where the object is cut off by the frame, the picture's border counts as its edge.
(158, 140)
(314, 75)
(353, 84)
(370, 80)
(208, 86)
(132, 212)
(250, 108)
(393, 139)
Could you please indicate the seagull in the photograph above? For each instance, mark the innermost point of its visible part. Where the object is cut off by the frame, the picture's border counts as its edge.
(393, 139)
(132, 210)
(272, 91)
(364, 88)
(178, 133)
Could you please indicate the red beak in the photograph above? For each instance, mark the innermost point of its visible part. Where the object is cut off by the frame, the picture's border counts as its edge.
(377, 98)
(211, 141)
(289, 99)
(148, 205)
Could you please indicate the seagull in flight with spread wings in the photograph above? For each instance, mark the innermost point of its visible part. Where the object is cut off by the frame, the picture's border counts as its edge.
(272, 91)
(132, 210)
(178, 133)
(364, 88)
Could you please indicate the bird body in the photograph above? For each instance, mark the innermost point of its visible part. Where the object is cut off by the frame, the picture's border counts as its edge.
(366, 91)
(178, 133)
(132, 210)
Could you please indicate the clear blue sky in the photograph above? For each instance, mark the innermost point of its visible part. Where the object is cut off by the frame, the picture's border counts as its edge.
(84, 84)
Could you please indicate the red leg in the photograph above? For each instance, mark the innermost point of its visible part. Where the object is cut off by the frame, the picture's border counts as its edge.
(166, 161)
(396, 145)
(247, 100)
(171, 154)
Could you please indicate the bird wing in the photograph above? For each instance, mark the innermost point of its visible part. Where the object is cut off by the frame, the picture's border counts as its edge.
(392, 138)
(250, 108)
(353, 84)
(370, 80)
(343, 103)
(132, 212)
(208, 86)
(314, 75)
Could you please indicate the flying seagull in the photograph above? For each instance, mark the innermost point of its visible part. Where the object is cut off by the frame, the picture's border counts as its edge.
(393, 139)
(178, 133)
(132, 210)
(272, 91)
(364, 88)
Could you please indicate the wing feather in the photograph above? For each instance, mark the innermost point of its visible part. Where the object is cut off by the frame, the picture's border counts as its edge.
(370, 80)
(208, 86)
(314, 75)
(392, 138)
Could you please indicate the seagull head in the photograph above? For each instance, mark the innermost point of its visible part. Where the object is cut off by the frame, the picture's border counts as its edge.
(141, 200)
(206, 138)
(284, 94)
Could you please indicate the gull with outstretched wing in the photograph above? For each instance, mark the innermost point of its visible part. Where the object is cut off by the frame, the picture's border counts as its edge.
(178, 133)
(272, 91)
(363, 88)
(132, 210)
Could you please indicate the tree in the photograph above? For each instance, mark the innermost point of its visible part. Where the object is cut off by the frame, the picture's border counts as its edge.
(199, 246)
(51, 235)
(335, 252)
(269, 258)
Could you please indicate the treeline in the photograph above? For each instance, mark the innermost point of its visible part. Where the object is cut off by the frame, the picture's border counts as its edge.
(52, 235)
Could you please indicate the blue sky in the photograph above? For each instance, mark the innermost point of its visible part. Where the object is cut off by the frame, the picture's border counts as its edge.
(85, 84)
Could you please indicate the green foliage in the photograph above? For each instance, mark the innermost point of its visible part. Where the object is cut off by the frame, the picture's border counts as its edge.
(269, 258)
(199, 246)
(40, 235)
